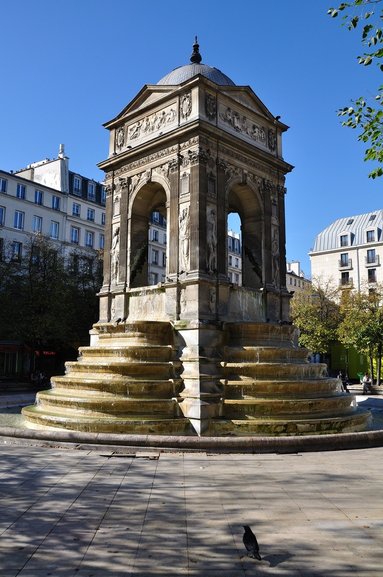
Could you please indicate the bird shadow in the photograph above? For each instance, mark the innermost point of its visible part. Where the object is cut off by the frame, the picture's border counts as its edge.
(276, 559)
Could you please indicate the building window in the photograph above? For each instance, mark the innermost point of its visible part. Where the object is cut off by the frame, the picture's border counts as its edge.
(155, 216)
(371, 256)
(54, 231)
(19, 220)
(236, 261)
(344, 240)
(91, 191)
(38, 197)
(76, 209)
(77, 185)
(371, 275)
(102, 241)
(230, 260)
(56, 202)
(74, 234)
(103, 195)
(345, 278)
(17, 250)
(155, 235)
(103, 218)
(2, 215)
(3, 185)
(90, 214)
(153, 278)
(344, 259)
(165, 238)
(236, 277)
(164, 259)
(37, 224)
(89, 239)
(370, 236)
(155, 256)
(20, 191)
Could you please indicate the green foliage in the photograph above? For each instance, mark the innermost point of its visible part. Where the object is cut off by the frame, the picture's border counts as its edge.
(315, 313)
(366, 114)
(362, 323)
(43, 301)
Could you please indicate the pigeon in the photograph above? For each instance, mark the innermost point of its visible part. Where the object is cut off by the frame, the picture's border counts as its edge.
(251, 543)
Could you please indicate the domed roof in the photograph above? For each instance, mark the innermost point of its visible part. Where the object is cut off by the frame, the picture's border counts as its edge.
(182, 73)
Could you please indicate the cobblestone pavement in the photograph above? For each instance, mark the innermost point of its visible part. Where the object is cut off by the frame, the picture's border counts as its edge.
(68, 512)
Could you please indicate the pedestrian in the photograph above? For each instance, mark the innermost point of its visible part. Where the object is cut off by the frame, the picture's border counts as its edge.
(366, 382)
(344, 380)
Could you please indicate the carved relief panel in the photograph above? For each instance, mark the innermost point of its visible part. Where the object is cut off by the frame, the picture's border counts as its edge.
(211, 239)
(184, 238)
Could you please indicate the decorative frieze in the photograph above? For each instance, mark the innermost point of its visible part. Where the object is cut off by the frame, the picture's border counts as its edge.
(152, 123)
(248, 127)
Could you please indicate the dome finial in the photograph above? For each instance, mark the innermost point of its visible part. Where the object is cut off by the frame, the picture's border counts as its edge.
(196, 56)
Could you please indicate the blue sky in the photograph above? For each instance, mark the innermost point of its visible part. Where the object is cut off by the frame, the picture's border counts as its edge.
(68, 67)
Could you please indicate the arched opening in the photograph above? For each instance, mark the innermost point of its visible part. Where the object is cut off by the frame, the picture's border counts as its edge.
(244, 202)
(148, 236)
(234, 248)
(157, 241)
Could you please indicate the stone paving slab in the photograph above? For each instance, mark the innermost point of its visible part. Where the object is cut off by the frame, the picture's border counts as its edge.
(68, 513)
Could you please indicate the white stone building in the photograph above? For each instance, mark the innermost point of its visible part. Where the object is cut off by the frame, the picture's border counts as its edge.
(47, 198)
(349, 252)
(295, 277)
(234, 252)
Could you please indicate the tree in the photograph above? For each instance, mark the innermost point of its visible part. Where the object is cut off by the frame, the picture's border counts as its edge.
(366, 113)
(315, 313)
(362, 325)
(45, 302)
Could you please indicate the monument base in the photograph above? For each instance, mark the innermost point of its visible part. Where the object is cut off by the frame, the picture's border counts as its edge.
(233, 379)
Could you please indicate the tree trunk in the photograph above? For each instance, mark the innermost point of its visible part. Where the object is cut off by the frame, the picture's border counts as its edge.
(371, 367)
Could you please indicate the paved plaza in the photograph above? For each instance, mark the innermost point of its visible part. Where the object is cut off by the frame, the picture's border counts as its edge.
(97, 513)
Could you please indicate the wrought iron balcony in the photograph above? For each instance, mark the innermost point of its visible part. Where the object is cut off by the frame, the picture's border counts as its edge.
(372, 260)
(345, 264)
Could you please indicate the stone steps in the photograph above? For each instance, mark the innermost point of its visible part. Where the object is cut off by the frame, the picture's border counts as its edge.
(133, 353)
(271, 407)
(352, 422)
(99, 404)
(244, 387)
(114, 384)
(273, 370)
(264, 354)
(134, 425)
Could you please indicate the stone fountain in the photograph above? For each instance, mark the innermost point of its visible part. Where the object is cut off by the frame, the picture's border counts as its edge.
(195, 354)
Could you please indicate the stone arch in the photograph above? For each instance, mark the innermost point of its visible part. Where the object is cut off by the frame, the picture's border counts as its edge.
(147, 197)
(245, 199)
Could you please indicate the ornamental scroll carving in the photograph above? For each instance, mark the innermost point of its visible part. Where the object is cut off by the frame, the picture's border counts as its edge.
(210, 106)
(152, 123)
(245, 126)
(120, 137)
(186, 105)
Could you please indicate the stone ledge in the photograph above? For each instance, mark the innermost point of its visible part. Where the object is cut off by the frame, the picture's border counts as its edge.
(97, 441)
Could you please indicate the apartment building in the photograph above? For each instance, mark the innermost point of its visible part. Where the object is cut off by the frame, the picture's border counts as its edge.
(49, 199)
(295, 277)
(349, 252)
